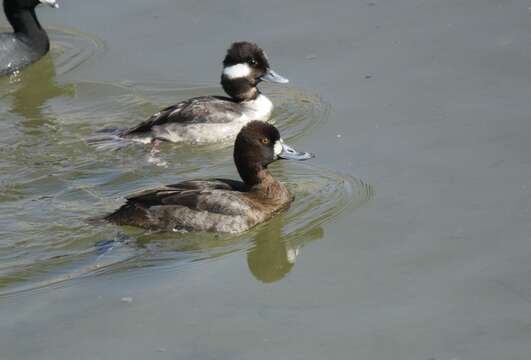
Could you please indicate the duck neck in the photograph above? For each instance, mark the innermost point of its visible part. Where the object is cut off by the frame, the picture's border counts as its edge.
(252, 174)
(240, 89)
(24, 21)
(268, 189)
(260, 181)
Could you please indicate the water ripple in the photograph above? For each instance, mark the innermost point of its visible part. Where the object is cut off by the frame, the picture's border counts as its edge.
(71, 48)
(51, 181)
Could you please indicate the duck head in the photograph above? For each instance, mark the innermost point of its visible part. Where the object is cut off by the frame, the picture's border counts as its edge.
(257, 145)
(244, 67)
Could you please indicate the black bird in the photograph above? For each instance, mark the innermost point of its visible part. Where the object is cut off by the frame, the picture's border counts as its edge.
(29, 41)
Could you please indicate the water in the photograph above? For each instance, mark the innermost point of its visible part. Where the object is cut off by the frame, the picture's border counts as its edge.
(53, 178)
(409, 235)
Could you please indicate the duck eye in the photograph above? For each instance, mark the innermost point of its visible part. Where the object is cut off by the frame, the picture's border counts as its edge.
(264, 141)
(252, 62)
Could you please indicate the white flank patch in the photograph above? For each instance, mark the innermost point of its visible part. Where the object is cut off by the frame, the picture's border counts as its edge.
(277, 148)
(237, 71)
(258, 109)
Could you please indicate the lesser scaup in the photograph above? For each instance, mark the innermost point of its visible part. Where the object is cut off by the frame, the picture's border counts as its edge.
(208, 119)
(219, 205)
(29, 41)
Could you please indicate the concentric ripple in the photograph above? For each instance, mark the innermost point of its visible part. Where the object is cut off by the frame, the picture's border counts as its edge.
(103, 109)
(321, 195)
(68, 50)
(52, 181)
(71, 48)
(296, 111)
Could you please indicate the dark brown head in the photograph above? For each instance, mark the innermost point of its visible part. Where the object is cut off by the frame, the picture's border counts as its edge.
(257, 145)
(244, 66)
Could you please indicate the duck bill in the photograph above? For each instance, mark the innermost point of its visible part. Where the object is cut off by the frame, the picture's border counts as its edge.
(52, 3)
(286, 152)
(274, 77)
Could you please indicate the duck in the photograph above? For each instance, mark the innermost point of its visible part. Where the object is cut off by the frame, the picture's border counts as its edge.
(219, 205)
(29, 41)
(209, 119)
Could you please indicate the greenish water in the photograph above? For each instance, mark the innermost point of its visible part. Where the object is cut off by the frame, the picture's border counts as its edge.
(409, 237)
(53, 178)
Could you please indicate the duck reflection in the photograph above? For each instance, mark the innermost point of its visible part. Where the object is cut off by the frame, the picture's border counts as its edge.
(34, 86)
(270, 257)
(273, 255)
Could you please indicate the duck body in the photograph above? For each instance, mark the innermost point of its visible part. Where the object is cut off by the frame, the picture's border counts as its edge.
(209, 119)
(200, 120)
(215, 205)
(16, 44)
(29, 41)
(219, 205)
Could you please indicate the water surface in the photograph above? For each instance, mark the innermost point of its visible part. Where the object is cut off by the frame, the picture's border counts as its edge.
(427, 101)
(55, 176)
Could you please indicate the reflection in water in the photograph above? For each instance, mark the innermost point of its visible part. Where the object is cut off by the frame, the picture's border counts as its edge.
(51, 181)
(33, 88)
(79, 249)
(30, 89)
(272, 256)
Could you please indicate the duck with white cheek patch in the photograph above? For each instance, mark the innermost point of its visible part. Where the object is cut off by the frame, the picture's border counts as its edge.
(29, 41)
(219, 205)
(209, 119)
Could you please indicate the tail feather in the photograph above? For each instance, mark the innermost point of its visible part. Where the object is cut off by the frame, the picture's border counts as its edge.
(129, 214)
(108, 139)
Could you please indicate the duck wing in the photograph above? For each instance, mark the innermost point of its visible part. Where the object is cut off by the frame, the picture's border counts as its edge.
(199, 110)
(197, 205)
(216, 196)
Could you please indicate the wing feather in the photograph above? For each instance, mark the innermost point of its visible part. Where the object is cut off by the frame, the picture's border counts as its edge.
(215, 196)
(199, 110)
